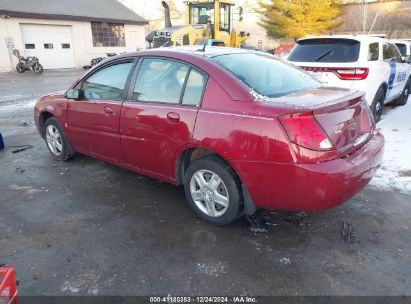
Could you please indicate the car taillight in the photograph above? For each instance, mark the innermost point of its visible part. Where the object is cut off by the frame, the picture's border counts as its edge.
(352, 74)
(343, 73)
(304, 130)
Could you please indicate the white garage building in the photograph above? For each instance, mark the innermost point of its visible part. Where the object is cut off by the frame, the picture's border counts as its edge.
(67, 33)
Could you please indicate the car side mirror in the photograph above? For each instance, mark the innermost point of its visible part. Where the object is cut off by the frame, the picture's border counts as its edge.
(408, 59)
(73, 94)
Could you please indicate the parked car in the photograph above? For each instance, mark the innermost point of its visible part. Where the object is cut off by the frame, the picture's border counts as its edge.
(404, 47)
(368, 63)
(239, 129)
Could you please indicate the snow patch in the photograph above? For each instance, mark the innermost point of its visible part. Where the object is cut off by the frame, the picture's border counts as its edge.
(18, 106)
(395, 171)
(212, 269)
(10, 97)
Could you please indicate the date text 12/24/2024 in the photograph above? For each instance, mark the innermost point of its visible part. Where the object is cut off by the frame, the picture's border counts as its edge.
(203, 299)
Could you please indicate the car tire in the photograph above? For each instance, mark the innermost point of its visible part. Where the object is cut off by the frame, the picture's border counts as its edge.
(402, 100)
(20, 67)
(378, 104)
(222, 187)
(56, 140)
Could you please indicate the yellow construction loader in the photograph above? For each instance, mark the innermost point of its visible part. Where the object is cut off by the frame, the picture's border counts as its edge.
(206, 22)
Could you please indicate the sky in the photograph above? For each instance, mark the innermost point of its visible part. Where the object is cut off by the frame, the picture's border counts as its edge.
(151, 9)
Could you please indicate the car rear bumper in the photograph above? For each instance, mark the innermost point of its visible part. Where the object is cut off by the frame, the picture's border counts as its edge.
(311, 187)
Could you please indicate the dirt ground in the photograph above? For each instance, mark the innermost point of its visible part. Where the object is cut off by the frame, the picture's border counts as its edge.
(84, 227)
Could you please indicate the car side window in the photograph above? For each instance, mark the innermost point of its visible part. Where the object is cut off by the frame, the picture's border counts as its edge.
(160, 80)
(386, 52)
(373, 51)
(194, 88)
(108, 83)
(396, 54)
(402, 48)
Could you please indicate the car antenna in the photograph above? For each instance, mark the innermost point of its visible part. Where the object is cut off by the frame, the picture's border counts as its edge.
(204, 47)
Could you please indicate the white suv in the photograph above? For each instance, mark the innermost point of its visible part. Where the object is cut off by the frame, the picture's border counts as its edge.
(366, 63)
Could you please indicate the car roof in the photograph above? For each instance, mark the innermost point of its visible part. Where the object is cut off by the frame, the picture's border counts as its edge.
(196, 50)
(401, 41)
(196, 56)
(365, 38)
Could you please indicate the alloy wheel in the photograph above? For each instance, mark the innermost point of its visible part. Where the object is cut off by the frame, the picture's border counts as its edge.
(54, 140)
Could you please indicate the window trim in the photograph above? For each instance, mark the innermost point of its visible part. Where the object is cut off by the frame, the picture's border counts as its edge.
(133, 82)
(133, 60)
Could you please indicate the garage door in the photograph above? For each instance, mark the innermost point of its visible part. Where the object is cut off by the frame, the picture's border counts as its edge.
(52, 44)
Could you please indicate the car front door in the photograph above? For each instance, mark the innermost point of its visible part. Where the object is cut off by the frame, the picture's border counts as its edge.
(158, 117)
(394, 68)
(94, 119)
(402, 68)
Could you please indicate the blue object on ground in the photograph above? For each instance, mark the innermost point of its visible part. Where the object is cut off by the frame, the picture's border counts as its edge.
(1, 142)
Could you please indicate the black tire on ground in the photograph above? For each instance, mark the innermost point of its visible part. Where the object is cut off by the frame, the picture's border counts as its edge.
(67, 152)
(38, 68)
(402, 100)
(20, 67)
(232, 185)
(378, 104)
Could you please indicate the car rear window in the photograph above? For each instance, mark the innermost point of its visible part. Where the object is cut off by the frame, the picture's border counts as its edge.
(325, 50)
(265, 74)
(403, 48)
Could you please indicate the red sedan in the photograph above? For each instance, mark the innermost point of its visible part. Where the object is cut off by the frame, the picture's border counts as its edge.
(240, 130)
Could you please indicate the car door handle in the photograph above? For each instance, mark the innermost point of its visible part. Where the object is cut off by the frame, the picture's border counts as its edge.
(173, 117)
(108, 111)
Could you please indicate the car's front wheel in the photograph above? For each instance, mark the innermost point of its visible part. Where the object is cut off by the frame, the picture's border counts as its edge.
(56, 140)
(213, 190)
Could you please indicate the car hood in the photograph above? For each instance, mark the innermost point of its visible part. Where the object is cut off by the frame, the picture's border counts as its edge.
(53, 95)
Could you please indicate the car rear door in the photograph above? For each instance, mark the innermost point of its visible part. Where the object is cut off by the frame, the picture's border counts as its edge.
(94, 119)
(158, 117)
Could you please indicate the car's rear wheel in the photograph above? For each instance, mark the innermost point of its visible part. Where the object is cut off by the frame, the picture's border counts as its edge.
(377, 105)
(56, 140)
(213, 190)
(402, 100)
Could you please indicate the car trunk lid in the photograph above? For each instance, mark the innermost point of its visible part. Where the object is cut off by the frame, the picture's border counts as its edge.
(342, 114)
(347, 122)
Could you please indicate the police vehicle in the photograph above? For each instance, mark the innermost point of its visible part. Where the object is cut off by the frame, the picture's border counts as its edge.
(368, 63)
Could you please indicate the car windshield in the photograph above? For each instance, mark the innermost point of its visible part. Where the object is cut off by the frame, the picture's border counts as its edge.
(325, 50)
(265, 74)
